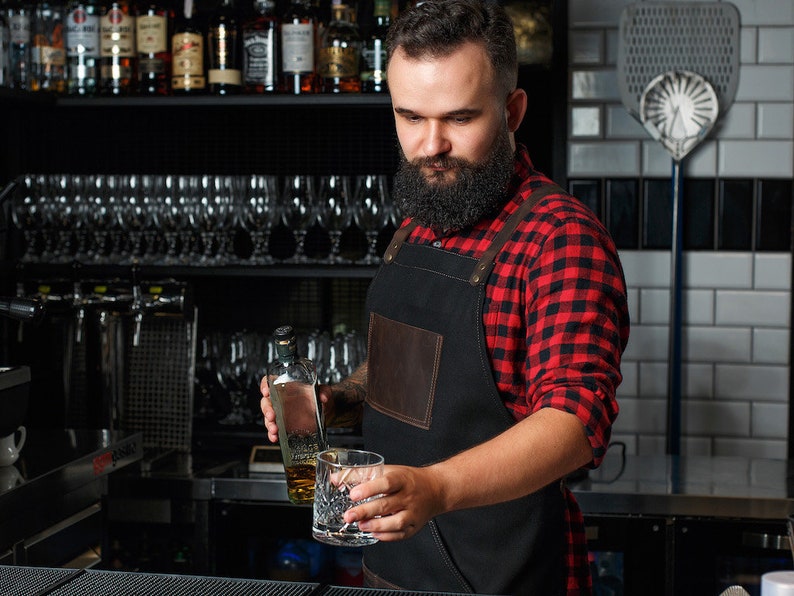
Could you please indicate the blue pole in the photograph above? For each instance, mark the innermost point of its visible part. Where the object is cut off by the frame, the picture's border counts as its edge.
(674, 347)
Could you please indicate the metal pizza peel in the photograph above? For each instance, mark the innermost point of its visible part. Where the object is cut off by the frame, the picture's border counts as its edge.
(678, 69)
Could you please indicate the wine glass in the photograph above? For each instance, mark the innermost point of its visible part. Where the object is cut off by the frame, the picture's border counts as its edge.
(298, 203)
(26, 215)
(258, 213)
(334, 211)
(370, 212)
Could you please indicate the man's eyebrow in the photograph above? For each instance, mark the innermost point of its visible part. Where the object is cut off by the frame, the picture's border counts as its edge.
(460, 112)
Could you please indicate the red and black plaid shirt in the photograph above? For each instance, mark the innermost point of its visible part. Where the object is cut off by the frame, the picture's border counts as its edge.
(556, 320)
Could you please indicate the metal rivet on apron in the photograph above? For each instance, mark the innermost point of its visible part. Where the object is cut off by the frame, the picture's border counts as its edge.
(475, 278)
(437, 243)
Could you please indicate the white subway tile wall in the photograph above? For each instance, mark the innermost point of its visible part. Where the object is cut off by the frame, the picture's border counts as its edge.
(736, 305)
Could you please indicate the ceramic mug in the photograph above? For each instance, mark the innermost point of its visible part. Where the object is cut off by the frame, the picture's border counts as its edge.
(10, 446)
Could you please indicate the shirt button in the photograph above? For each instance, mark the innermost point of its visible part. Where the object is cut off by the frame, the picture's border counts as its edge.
(437, 244)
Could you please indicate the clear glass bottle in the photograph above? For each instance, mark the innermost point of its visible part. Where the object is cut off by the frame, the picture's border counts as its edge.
(373, 50)
(301, 431)
(154, 23)
(82, 47)
(187, 54)
(224, 75)
(20, 22)
(48, 52)
(117, 48)
(298, 35)
(340, 52)
(261, 55)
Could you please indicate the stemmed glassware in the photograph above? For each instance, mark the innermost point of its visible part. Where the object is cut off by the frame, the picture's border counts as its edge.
(258, 213)
(370, 212)
(334, 211)
(26, 214)
(298, 202)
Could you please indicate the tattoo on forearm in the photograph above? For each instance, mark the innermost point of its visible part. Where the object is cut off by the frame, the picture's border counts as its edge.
(348, 398)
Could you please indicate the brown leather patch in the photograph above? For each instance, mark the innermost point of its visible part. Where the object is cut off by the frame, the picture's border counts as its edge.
(402, 368)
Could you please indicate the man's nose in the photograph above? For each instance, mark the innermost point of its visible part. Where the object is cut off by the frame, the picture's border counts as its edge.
(436, 141)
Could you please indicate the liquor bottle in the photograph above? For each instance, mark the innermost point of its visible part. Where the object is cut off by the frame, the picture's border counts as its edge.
(373, 77)
(223, 71)
(187, 53)
(298, 33)
(117, 48)
(261, 49)
(301, 430)
(48, 54)
(153, 31)
(82, 47)
(20, 15)
(5, 74)
(340, 53)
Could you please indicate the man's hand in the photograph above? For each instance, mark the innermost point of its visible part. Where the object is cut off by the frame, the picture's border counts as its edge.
(411, 498)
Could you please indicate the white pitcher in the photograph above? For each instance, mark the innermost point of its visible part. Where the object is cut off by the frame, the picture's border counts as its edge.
(10, 446)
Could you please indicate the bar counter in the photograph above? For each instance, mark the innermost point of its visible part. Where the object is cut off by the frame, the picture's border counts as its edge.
(735, 487)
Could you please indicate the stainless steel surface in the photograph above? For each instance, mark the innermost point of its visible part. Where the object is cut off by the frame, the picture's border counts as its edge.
(693, 486)
(648, 485)
(58, 474)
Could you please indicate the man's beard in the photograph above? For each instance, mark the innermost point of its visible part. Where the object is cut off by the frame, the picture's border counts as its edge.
(478, 189)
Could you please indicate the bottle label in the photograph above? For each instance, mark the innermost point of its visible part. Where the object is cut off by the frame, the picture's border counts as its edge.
(297, 47)
(375, 57)
(82, 34)
(151, 66)
(19, 27)
(382, 8)
(337, 61)
(258, 56)
(228, 76)
(117, 34)
(188, 61)
(150, 31)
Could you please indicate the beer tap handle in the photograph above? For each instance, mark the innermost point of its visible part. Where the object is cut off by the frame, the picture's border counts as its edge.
(136, 308)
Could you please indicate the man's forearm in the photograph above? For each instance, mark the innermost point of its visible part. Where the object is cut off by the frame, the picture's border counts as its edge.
(347, 397)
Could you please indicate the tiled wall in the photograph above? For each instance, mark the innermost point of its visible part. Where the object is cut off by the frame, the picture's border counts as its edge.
(737, 261)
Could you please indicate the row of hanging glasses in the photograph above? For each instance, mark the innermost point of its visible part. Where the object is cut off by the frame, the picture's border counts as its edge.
(230, 365)
(194, 219)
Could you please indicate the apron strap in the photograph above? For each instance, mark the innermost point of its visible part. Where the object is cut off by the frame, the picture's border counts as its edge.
(397, 241)
(486, 263)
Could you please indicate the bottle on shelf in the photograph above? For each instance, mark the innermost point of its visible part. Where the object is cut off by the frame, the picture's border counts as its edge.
(223, 71)
(5, 74)
(154, 21)
(301, 431)
(82, 47)
(373, 50)
(48, 54)
(117, 48)
(298, 36)
(187, 53)
(261, 49)
(20, 17)
(340, 52)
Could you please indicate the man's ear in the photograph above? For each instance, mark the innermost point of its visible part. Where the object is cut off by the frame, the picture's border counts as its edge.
(516, 107)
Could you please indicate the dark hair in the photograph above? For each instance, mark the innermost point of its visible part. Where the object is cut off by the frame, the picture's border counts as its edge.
(436, 28)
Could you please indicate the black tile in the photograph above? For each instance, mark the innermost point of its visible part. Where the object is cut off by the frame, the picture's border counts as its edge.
(697, 206)
(657, 214)
(589, 192)
(622, 213)
(773, 215)
(735, 215)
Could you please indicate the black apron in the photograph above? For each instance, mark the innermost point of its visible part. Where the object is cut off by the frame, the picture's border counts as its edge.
(431, 394)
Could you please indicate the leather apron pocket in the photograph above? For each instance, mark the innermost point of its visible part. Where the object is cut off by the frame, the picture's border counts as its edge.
(402, 369)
